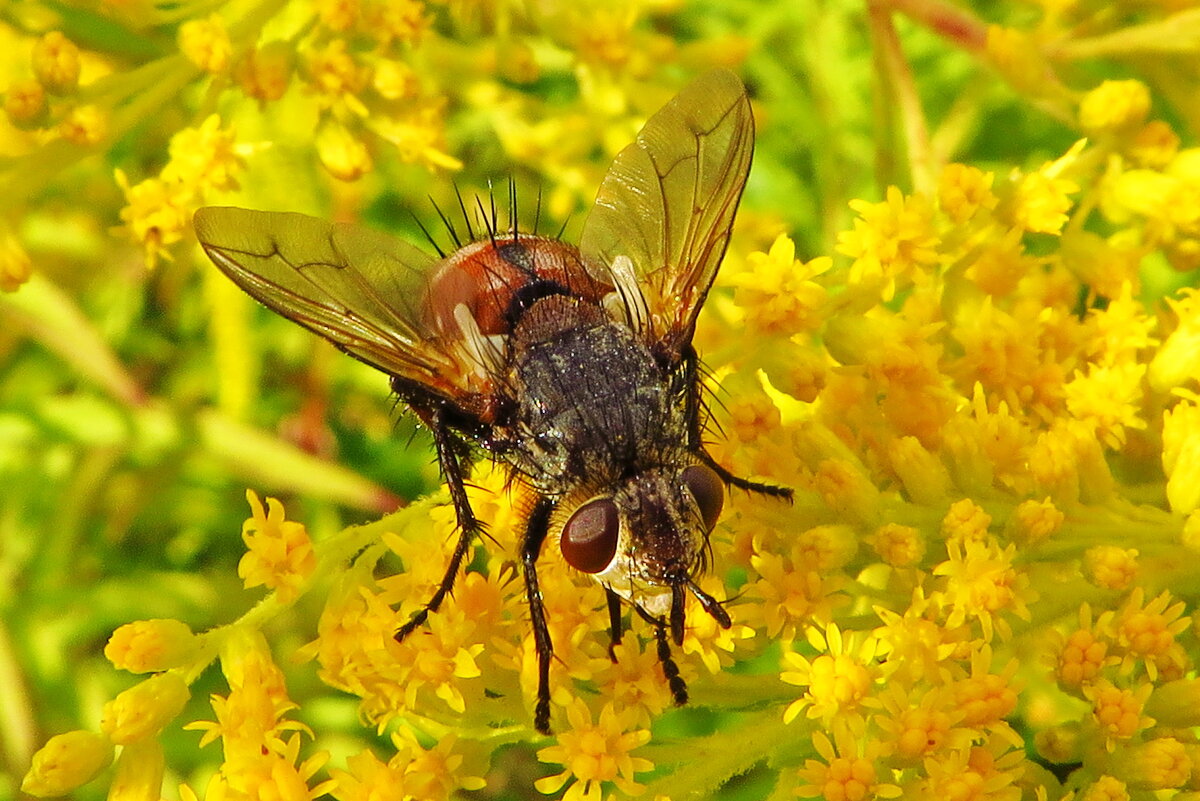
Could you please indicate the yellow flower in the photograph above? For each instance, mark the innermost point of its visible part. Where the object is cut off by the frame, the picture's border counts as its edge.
(1114, 106)
(206, 43)
(157, 215)
(143, 710)
(778, 293)
(594, 754)
(847, 770)
(839, 681)
(84, 126)
(25, 104)
(67, 761)
(56, 63)
(204, 159)
(892, 242)
(279, 553)
(150, 646)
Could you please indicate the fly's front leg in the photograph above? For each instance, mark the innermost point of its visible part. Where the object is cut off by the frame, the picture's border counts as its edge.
(468, 526)
(679, 690)
(614, 622)
(531, 546)
(695, 412)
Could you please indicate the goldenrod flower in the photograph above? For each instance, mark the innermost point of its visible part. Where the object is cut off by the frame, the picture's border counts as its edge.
(279, 553)
(147, 646)
(67, 761)
(970, 347)
(595, 754)
(143, 710)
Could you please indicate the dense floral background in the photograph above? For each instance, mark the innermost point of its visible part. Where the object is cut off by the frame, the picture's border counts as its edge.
(957, 317)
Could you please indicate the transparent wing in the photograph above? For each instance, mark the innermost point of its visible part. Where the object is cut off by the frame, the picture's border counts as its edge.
(359, 289)
(668, 202)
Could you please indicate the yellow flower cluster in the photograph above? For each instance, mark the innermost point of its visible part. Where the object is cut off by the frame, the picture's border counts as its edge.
(985, 399)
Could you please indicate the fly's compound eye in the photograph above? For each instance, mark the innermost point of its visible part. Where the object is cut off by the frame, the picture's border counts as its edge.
(589, 539)
(709, 491)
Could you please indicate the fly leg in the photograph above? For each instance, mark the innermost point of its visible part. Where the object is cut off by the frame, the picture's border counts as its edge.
(696, 412)
(469, 526)
(679, 690)
(614, 622)
(531, 546)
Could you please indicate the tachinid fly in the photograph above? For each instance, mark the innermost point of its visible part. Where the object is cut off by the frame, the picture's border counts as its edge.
(572, 366)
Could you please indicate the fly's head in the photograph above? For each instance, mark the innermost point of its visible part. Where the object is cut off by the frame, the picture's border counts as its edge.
(646, 538)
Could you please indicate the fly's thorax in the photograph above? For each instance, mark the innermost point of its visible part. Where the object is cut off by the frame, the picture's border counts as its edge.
(591, 402)
(644, 535)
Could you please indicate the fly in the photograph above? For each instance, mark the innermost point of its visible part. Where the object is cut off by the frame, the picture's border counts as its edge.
(572, 366)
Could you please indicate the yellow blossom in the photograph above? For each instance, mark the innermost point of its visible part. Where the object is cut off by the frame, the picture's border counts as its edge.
(963, 191)
(899, 546)
(892, 242)
(1034, 521)
(279, 553)
(206, 43)
(84, 126)
(205, 158)
(1162, 763)
(25, 104)
(265, 72)
(1042, 201)
(139, 774)
(143, 710)
(342, 153)
(838, 681)
(1181, 456)
(147, 646)
(67, 761)
(778, 291)
(56, 63)
(1117, 711)
(1110, 566)
(1114, 106)
(157, 214)
(594, 754)
(846, 770)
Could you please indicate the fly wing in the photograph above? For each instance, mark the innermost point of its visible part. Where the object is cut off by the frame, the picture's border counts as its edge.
(667, 205)
(360, 289)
